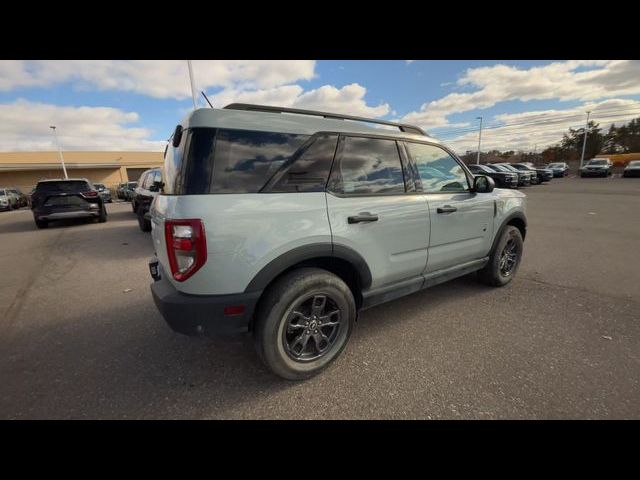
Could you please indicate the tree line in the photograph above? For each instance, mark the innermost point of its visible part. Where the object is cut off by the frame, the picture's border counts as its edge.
(622, 139)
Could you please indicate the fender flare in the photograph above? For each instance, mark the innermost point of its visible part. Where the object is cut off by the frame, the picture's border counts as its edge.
(308, 252)
(520, 216)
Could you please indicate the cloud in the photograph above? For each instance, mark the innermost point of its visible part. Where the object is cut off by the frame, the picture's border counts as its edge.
(25, 126)
(155, 78)
(349, 99)
(542, 128)
(571, 80)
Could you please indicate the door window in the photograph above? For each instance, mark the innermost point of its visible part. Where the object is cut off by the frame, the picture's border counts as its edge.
(368, 166)
(439, 171)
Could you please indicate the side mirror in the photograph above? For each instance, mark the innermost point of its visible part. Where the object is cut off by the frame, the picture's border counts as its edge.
(177, 136)
(483, 184)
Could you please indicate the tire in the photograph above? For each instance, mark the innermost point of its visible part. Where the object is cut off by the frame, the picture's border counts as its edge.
(103, 215)
(280, 347)
(143, 223)
(134, 207)
(41, 223)
(492, 274)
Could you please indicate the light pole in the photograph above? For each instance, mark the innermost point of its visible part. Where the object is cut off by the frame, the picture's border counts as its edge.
(479, 139)
(584, 143)
(55, 136)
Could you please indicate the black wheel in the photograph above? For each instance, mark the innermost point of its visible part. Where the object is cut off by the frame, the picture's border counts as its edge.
(103, 215)
(504, 260)
(145, 225)
(41, 223)
(303, 322)
(134, 207)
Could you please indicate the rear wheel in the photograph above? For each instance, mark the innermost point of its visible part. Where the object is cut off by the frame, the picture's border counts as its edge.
(505, 259)
(304, 322)
(41, 223)
(145, 225)
(103, 215)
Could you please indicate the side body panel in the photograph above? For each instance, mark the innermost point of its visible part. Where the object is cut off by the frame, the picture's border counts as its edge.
(463, 235)
(244, 232)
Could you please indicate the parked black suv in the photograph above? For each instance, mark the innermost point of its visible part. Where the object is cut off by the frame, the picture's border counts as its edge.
(149, 184)
(70, 198)
(544, 174)
(524, 178)
(502, 179)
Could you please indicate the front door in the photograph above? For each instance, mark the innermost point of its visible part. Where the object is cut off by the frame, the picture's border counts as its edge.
(461, 220)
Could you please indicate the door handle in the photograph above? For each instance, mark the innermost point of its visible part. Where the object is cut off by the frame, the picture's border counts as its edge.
(363, 217)
(447, 209)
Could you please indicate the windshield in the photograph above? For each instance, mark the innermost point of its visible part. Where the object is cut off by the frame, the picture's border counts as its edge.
(507, 168)
(597, 162)
(555, 165)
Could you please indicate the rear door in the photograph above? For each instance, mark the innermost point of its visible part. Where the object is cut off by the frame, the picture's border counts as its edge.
(373, 212)
(461, 220)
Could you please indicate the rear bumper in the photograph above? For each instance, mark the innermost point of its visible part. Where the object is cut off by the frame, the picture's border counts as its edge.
(594, 173)
(61, 215)
(203, 314)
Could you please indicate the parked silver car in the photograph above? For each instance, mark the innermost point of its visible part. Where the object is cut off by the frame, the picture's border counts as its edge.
(288, 225)
(8, 200)
(103, 191)
(632, 169)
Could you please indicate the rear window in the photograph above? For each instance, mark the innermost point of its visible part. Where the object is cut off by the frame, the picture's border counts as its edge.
(228, 161)
(67, 186)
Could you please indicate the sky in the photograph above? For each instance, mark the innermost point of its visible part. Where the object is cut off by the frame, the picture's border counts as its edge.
(135, 104)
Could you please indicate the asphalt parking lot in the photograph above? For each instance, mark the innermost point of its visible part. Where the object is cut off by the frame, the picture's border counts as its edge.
(80, 336)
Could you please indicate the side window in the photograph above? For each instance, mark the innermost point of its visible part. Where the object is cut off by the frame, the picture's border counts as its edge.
(148, 180)
(244, 160)
(157, 177)
(368, 166)
(309, 172)
(439, 171)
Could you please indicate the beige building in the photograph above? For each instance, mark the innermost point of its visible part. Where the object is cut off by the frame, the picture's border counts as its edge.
(24, 169)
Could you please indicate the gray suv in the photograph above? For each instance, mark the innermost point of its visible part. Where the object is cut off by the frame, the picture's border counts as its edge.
(286, 223)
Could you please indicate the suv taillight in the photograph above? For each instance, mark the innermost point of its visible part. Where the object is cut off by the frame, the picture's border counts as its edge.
(89, 194)
(186, 247)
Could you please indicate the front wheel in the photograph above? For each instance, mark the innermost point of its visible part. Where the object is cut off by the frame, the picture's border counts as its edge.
(505, 258)
(303, 323)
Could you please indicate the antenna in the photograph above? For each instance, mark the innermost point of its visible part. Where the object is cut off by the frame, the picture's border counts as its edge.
(205, 97)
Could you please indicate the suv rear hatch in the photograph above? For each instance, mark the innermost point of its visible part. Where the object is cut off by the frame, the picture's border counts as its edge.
(65, 196)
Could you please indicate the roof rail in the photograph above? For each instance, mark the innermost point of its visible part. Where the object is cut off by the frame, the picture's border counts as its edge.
(265, 108)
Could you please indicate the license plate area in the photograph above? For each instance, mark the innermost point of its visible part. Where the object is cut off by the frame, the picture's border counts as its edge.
(66, 201)
(153, 269)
